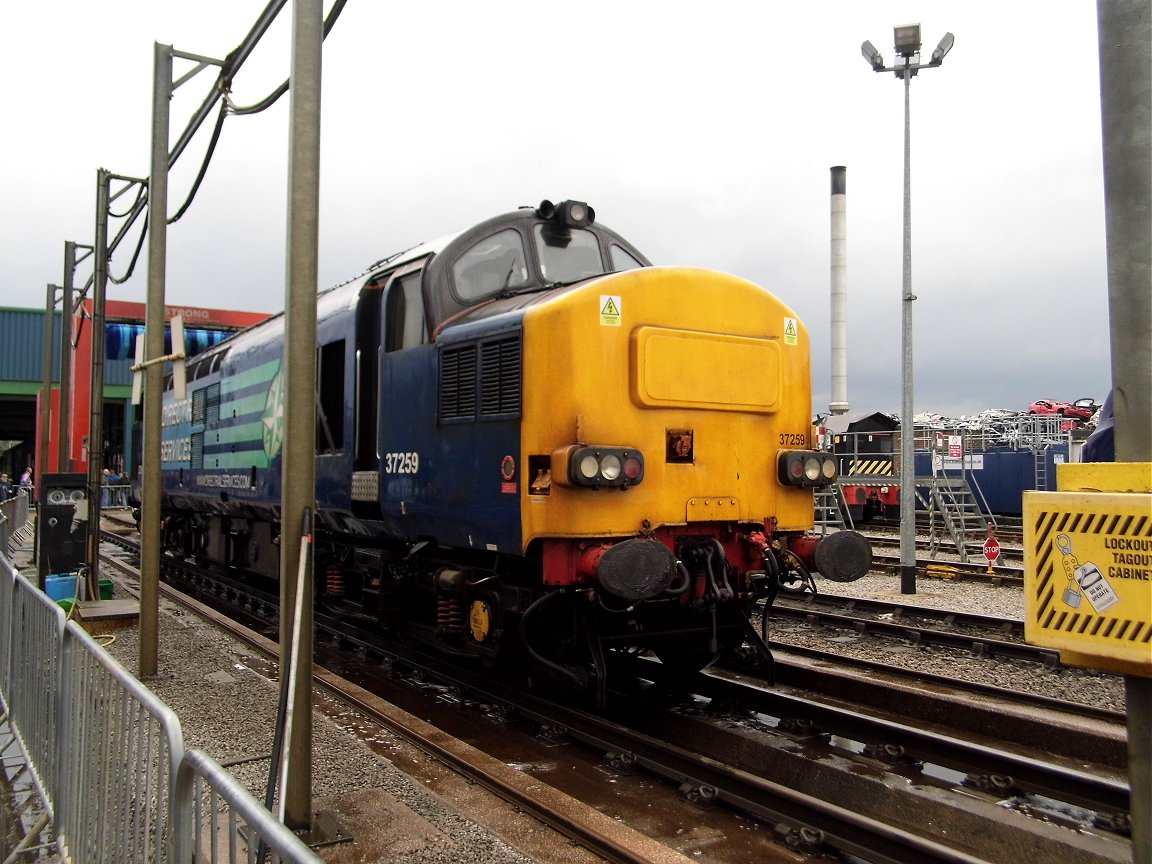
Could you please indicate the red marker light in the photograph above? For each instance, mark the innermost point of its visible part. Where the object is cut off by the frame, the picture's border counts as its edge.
(508, 468)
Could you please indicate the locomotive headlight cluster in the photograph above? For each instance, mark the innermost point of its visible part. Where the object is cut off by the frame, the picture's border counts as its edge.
(596, 466)
(806, 468)
(570, 214)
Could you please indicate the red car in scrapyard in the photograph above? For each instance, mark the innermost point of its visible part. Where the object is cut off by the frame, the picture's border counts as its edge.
(1081, 409)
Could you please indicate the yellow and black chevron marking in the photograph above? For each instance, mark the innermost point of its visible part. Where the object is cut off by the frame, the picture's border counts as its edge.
(871, 466)
(1088, 578)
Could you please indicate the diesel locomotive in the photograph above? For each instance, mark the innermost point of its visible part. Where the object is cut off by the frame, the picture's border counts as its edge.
(531, 443)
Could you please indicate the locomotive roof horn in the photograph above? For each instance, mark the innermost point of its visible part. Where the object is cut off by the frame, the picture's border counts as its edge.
(570, 214)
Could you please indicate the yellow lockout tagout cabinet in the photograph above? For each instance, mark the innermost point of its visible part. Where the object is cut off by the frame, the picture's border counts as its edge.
(1088, 566)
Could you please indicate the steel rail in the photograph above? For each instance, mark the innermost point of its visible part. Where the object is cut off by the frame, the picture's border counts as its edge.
(900, 610)
(922, 635)
(954, 570)
(1036, 700)
(580, 824)
(1031, 775)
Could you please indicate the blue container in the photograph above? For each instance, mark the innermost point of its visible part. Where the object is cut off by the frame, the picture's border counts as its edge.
(1000, 476)
(62, 587)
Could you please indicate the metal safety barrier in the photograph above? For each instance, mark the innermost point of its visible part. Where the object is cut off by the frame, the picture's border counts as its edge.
(119, 749)
(14, 522)
(227, 823)
(108, 755)
(117, 497)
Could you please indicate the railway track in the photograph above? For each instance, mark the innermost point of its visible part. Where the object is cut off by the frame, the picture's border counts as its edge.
(918, 625)
(965, 570)
(1008, 531)
(1012, 718)
(707, 774)
(251, 621)
(962, 652)
(915, 748)
(1011, 548)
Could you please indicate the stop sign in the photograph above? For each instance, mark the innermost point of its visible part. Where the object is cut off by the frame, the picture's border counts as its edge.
(991, 549)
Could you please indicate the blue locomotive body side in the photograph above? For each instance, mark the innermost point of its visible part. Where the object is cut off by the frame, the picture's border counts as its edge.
(439, 474)
(222, 446)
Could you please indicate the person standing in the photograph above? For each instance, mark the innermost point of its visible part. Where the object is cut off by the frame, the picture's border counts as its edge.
(26, 481)
(5, 487)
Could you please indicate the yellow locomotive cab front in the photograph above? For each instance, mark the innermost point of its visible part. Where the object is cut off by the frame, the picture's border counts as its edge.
(704, 374)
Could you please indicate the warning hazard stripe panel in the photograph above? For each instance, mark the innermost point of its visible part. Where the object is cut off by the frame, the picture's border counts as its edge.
(1090, 625)
(871, 466)
(1049, 615)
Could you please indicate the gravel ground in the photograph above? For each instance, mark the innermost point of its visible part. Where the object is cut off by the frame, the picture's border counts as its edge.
(1004, 601)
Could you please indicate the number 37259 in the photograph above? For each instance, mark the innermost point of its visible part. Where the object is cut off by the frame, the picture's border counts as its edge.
(401, 463)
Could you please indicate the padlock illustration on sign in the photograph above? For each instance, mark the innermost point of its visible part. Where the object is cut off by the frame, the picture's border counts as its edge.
(1072, 591)
(1095, 586)
(1085, 580)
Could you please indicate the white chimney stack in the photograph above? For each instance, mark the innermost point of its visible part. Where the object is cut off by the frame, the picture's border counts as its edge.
(839, 403)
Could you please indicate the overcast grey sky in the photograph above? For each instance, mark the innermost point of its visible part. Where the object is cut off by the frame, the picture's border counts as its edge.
(702, 132)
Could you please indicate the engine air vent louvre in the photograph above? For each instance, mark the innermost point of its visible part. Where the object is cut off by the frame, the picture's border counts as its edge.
(198, 404)
(458, 382)
(197, 450)
(500, 376)
(212, 402)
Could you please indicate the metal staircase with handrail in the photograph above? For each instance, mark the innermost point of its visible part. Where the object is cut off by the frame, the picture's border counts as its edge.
(960, 517)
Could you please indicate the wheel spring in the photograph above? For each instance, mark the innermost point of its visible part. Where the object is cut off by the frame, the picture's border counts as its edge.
(450, 613)
(335, 578)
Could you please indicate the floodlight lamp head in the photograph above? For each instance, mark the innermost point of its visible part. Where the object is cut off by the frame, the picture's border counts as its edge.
(875, 60)
(942, 49)
(907, 39)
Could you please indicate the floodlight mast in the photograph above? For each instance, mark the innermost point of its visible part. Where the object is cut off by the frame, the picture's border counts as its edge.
(942, 50)
(906, 39)
(872, 56)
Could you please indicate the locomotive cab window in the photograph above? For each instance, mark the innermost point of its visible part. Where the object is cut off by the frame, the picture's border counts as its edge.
(330, 398)
(404, 314)
(622, 259)
(494, 264)
(567, 254)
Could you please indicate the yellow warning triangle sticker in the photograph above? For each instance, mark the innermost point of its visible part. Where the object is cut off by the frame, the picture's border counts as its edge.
(610, 310)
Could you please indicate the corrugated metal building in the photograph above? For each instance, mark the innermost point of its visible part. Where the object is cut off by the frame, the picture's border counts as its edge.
(22, 379)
